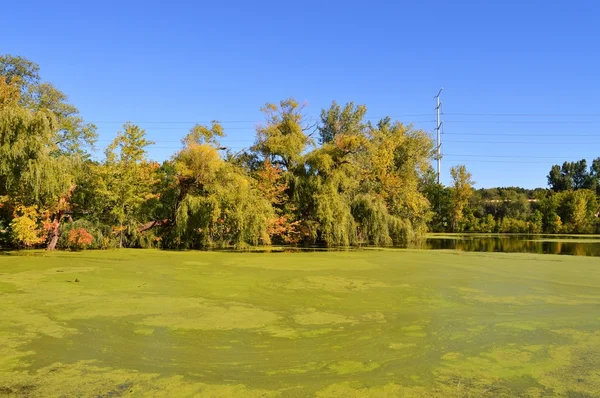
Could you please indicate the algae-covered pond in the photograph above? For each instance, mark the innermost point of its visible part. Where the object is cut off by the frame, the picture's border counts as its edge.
(370, 323)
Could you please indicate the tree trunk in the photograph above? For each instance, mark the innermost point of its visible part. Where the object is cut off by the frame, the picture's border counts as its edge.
(54, 232)
(149, 225)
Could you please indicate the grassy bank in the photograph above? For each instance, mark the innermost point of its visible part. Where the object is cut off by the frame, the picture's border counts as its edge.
(330, 324)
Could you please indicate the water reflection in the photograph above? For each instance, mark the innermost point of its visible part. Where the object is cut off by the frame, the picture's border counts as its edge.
(516, 244)
(540, 244)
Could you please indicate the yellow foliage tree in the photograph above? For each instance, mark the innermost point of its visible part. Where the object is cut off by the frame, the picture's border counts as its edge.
(26, 229)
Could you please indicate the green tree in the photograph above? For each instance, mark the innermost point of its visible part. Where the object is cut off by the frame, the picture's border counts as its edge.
(462, 190)
(127, 179)
(572, 175)
(440, 201)
(200, 134)
(577, 210)
(71, 134)
(337, 121)
(282, 139)
(333, 177)
(594, 176)
(536, 222)
(559, 181)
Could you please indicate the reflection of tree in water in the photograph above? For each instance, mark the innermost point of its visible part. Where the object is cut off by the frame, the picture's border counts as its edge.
(512, 244)
(579, 249)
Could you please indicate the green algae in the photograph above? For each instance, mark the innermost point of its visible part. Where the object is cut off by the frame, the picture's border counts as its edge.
(390, 323)
(207, 317)
(402, 346)
(314, 317)
(85, 378)
(346, 367)
(333, 284)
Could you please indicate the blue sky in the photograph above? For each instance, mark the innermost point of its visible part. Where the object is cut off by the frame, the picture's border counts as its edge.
(520, 78)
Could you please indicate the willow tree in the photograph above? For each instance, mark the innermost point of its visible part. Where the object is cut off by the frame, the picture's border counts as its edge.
(72, 135)
(32, 173)
(396, 159)
(332, 184)
(44, 141)
(334, 175)
(361, 185)
(218, 203)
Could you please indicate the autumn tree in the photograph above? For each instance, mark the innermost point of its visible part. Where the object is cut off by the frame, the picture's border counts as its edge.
(279, 153)
(397, 159)
(42, 139)
(217, 203)
(32, 171)
(361, 185)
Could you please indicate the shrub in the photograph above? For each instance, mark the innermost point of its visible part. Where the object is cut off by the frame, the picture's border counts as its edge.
(79, 239)
(145, 240)
(4, 235)
(25, 229)
(93, 228)
(511, 225)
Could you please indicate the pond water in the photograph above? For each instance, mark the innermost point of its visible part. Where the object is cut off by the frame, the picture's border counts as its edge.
(540, 244)
(355, 323)
(573, 245)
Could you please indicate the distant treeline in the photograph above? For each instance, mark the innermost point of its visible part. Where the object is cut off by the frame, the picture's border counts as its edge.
(344, 181)
(570, 205)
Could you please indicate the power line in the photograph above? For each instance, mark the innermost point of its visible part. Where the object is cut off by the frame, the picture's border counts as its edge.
(560, 141)
(526, 134)
(180, 146)
(251, 141)
(161, 141)
(186, 129)
(526, 121)
(253, 121)
(527, 114)
(397, 116)
(500, 161)
(522, 142)
(514, 156)
(173, 122)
